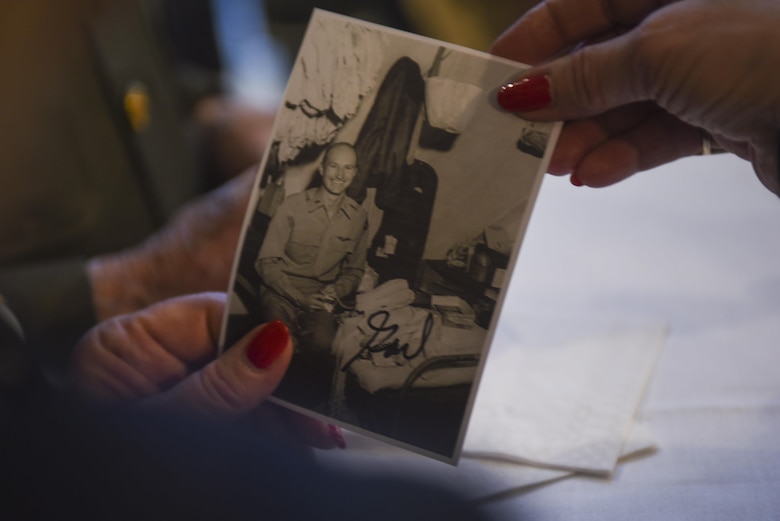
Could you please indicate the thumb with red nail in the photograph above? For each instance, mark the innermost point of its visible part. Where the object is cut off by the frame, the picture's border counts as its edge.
(641, 84)
(164, 356)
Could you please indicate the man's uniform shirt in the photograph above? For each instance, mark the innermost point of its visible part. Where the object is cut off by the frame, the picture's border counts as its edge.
(302, 242)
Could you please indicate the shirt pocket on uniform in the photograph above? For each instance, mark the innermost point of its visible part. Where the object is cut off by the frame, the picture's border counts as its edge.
(342, 244)
(302, 246)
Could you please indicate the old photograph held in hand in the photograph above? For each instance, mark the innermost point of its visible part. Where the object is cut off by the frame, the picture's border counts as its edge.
(383, 227)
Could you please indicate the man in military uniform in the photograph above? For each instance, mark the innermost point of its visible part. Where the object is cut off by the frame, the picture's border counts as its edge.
(314, 254)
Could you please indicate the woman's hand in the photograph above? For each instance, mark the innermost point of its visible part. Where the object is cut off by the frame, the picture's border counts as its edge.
(192, 253)
(236, 132)
(163, 357)
(638, 82)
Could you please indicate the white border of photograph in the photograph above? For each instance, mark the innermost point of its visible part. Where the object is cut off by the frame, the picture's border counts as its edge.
(486, 166)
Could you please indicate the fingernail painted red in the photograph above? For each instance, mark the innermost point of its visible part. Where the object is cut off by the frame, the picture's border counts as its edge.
(338, 435)
(575, 180)
(268, 344)
(526, 95)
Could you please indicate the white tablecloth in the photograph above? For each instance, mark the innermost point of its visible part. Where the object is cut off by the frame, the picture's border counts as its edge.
(695, 244)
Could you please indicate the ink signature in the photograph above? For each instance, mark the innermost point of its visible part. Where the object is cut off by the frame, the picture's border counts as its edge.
(384, 340)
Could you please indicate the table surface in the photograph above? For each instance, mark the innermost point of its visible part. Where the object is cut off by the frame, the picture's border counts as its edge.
(694, 244)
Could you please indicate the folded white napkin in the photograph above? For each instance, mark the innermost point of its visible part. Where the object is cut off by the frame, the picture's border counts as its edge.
(567, 406)
(544, 412)
(475, 478)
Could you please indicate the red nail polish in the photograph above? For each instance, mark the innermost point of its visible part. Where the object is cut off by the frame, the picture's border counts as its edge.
(268, 344)
(526, 95)
(338, 436)
(575, 180)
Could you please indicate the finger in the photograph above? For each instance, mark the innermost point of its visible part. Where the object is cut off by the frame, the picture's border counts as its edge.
(313, 432)
(106, 377)
(658, 139)
(269, 420)
(194, 251)
(140, 354)
(286, 424)
(582, 137)
(239, 380)
(557, 25)
(579, 137)
(590, 81)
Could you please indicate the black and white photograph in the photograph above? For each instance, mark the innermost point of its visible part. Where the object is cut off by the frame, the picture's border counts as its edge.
(384, 224)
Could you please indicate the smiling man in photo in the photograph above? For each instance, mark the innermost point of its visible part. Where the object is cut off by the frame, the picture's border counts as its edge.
(313, 255)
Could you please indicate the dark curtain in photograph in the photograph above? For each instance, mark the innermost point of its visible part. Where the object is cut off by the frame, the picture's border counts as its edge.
(408, 222)
(383, 142)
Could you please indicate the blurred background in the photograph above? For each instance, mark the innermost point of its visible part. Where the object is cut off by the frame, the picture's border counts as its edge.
(259, 38)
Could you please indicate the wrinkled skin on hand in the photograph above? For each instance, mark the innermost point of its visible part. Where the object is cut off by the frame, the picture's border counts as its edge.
(637, 80)
(237, 133)
(192, 253)
(164, 357)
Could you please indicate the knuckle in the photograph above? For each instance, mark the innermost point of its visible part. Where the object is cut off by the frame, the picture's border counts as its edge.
(95, 347)
(649, 51)
(586, 89)
(642, 49)
(222, 391)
